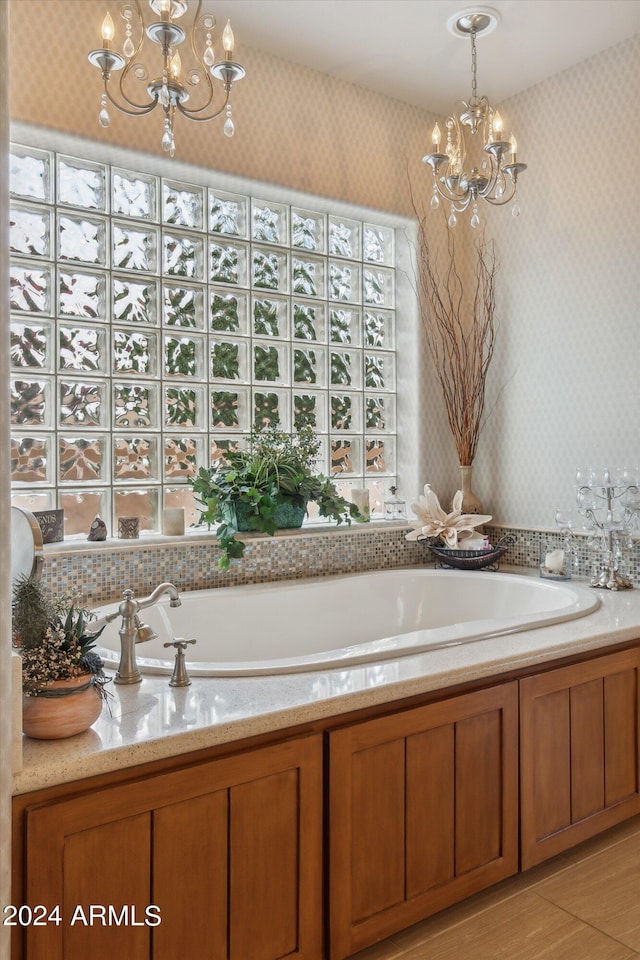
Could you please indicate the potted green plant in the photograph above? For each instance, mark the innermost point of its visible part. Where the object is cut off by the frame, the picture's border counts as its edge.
(265, 488)
(62, 679)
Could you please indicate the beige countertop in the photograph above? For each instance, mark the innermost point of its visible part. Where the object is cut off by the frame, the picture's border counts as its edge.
(151, 720)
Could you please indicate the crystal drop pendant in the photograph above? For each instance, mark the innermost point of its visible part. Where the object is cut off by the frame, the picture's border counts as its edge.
(128, 48)
(167, 139)
(515, 210)
(209, 57)
(475, 219)
(103, 117)
(229, 126)
(164, 95)
(452, 218)
(435, 203)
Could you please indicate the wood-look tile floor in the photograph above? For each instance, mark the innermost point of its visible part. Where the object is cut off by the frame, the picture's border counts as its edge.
(582, 905)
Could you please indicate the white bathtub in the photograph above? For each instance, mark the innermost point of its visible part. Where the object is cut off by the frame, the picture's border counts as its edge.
(299, 625)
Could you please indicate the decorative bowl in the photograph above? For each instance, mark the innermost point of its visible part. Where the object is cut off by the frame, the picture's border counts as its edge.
(471, 559)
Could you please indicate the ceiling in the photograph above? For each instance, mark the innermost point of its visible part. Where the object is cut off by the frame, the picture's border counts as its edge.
(402, 48)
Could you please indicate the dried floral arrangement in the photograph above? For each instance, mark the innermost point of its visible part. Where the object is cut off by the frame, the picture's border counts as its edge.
(460, 331)
(52, 635)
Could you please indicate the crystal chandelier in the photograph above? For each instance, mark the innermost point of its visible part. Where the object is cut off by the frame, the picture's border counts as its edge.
(473, 166)
(169, 86)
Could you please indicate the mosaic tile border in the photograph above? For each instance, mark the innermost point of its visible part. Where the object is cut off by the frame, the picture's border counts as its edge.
(100, 575)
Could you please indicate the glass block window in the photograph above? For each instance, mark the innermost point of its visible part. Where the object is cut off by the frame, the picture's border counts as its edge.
(155, 323)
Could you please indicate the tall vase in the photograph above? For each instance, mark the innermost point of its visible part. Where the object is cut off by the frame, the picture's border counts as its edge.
(470, 503)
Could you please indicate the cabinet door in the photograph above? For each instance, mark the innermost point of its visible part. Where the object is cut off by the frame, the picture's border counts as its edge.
(423, 812)
(229, 852)
(579, 753)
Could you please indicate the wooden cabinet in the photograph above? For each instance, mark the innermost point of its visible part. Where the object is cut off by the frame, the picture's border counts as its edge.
(422, 813)
(579, 754)
(229, 850)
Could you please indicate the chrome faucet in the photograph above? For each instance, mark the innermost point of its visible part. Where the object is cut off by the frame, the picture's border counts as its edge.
(132, 631)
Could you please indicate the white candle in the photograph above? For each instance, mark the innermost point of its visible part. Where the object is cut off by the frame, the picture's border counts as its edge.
(554, 561)
(173, 521)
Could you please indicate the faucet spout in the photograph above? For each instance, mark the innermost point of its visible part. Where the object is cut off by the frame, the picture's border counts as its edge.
(132, 631)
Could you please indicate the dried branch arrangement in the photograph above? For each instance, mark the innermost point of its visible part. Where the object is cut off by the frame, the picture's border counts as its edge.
(460, 332)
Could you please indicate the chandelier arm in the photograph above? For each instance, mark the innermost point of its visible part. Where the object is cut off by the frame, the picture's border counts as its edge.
(193, 114)
(455, 198)
(202, 64)
(141, 109)
(137, 109)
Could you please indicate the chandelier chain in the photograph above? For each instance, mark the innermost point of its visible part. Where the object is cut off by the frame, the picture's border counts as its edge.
(474, 66)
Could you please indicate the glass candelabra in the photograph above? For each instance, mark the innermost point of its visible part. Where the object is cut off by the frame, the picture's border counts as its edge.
(609, 502)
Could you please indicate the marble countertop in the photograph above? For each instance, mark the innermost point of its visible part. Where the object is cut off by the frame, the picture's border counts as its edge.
(151, 720)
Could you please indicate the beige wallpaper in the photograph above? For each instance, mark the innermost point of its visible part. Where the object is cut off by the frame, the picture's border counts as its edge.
(294, 126)
(565, 375)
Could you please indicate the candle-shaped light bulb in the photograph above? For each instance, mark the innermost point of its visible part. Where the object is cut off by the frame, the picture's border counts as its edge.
(165, 7)
(228, 39)
(176, 66)
(497, 126)
(514, 148)
(107, 30)
(435, 137)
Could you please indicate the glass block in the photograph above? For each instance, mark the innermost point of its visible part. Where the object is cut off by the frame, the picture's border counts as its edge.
(222, 445)
(82, 459)
(31, 345)
(345, 238)
(309, 409)
(135, 248)
(134, 195)
(308, 230)
(379, 371)
(228, 214)
(269, 222)
(229, 359)
(344, 282)
(135, 301)
(30, 230)
(345, 368)
(182, 456)
(182, 498)
(135, 405)
(309, 321)
(83, 403)
(380, 455)
(182, 205)
(271, 362)
(271, 408)
(30, 173)
(31, 459)
(307, 276)
(183, 256)
(82, 184)
(82, 349)
(30, 288)
(184, 356)
(310, 365)
(82, 294)
(270, 317)
(379, 329)
(345, 325)
(378, 245)
(31, 403)
(346, 456)
(82, 239)
(80, 510)
(135, 458)
(269, 270)
(379, 414)
(345, 412)
(136, 503)
(34, 500)
(185, 407)
(135, 353)
(229, 311)
(228, 264)
(230, 409)
(379, 287)
(183, 306)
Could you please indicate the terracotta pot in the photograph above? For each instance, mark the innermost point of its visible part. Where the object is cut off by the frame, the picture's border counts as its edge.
(63, 709)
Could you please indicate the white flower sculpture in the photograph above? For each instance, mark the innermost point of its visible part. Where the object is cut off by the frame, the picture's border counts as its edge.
(434, 522)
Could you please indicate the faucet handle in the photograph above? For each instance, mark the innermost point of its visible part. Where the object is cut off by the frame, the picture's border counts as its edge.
(179, 677)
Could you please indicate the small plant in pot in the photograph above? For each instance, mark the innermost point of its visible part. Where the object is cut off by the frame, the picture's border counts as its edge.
(265, 488)
(62, 679)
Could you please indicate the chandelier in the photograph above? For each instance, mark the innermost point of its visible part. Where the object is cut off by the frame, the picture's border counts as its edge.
(171, 85)
(473, 165)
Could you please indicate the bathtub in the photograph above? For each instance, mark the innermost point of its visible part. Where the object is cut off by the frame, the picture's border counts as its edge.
(293, 626)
